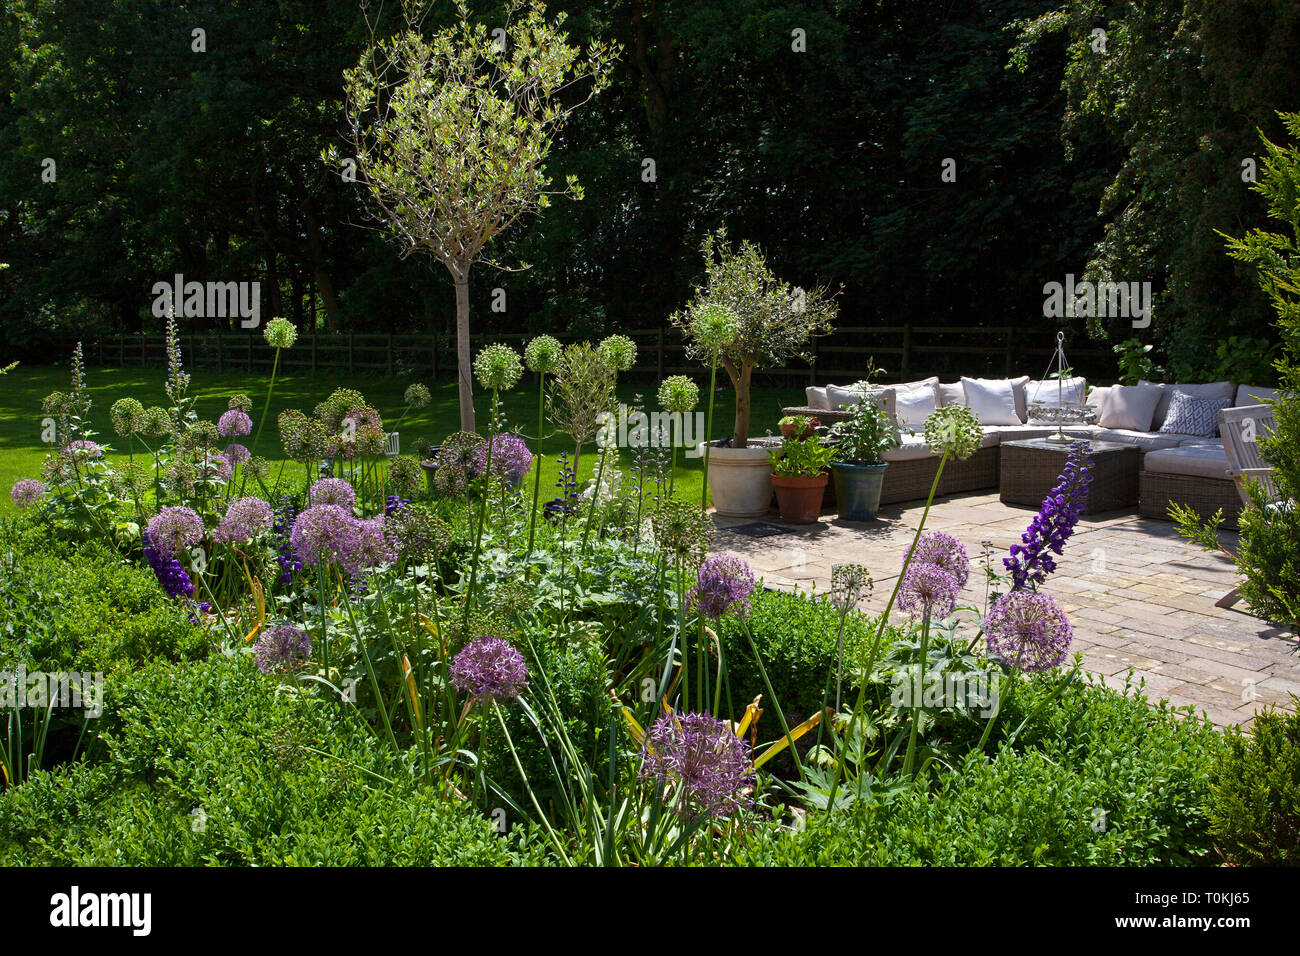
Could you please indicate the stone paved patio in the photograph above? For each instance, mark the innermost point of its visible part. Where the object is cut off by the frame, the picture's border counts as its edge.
(1139, 596)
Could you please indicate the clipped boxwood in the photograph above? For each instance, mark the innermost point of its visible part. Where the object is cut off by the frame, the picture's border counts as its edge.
(796, 635)
(209, 764)
(84, 607)
(1103, 779)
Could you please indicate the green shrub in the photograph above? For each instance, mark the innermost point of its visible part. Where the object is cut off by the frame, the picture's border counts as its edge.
(84, 607)
(796, 635)
(211, 764)
(1255, 810)
(1099, 779)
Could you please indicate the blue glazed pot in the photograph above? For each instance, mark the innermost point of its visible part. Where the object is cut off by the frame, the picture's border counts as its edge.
(857, 489)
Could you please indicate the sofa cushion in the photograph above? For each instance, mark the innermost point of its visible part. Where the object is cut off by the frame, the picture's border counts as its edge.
(912, 448)
(1130, 407)
(1021, 432)
(816, 397)
(1193, 416)
(993, 400)
(1146, 441)
(1198, 461)
(1097, 396)
(916, 401)
(1049, 391)
(950, 393)
(838, 397)
(1254, 395)
(992, 435)
(1204, 390)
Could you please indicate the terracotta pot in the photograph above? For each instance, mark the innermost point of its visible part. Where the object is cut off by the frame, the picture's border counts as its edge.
(800, 499)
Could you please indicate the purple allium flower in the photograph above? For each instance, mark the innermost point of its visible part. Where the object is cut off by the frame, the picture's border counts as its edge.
(236, 454)
(703, 755)
(234, 423)
(489, 668)
(332, 491)
(245, 519)
(511, 458)
(83, 448)
(175, 582)
(174, 529)
(372, 548)
(216, 467)
(928, 591)
(724, 582)
(1028, 631)
(27, 491)
(281, 649)
(1031, 561)
(945, 551)
(324, 532)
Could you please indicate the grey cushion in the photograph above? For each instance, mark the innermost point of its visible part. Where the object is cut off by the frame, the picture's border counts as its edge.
(951, 394)
(1254, 395)
(913, 448)
(1204, 390)
(1198, 461)
(1146, 441)
(1193, 416)
(1130, 407)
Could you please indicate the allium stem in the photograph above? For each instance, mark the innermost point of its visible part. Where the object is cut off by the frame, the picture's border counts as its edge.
(910, 761)
(275, 366)
(776, 704)
(537, 469)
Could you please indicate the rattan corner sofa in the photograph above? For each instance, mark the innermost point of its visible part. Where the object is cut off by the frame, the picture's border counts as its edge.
(1191, 470)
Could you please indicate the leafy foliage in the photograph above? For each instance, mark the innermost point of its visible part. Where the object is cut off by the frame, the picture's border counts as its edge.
(1255, 811)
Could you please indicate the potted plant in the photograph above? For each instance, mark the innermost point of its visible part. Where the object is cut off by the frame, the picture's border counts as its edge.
(799, 477)
(798, 426)
(745, 318)
(858, 469)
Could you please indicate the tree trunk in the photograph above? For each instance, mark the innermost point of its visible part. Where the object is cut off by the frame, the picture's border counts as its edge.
(740, 382)
(463, 371)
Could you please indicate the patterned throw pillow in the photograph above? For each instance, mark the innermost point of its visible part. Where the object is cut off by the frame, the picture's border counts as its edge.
(1194, 416)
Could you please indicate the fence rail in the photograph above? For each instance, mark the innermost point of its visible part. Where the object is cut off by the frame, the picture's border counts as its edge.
(917, 350)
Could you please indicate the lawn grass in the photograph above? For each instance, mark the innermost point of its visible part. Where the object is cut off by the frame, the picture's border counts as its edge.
(22, 389)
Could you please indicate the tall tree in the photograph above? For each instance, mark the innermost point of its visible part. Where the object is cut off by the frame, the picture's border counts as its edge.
(451, 133)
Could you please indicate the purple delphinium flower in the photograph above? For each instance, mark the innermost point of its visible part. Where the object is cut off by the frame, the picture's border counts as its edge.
(27, 491)
(928, 591)
(324, 533)
(702, 754)
(174, 529)
(511, 458)
(83, 448)
(394, 504)
(489, 668)
(1031, 561)
(245, 519)
(332, 491)
(286, 557)
(175, 582)
(1028, 630)
(281, 649)
(946, 552)
(234, 423)
(724, 582)
(236, 454)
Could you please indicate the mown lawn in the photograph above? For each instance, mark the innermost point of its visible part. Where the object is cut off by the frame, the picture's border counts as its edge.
(21, 391)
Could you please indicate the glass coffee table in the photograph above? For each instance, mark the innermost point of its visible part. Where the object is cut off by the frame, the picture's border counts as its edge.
(1028, 470)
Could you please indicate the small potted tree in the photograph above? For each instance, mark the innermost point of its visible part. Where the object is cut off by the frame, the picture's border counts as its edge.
(767, 323)
(799, 477)
(858, 470)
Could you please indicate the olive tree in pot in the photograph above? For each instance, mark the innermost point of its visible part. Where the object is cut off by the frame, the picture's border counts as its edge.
(858, 469)
(799, 477)
(745, 318)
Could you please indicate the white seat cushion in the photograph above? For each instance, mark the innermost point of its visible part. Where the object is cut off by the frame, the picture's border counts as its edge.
(916, 401)
(993, 400)
(816, 397)
(950, 393)
(1130, 406)
(1198, 461)
(913, 448)
(1203, 390)
(1146, 441)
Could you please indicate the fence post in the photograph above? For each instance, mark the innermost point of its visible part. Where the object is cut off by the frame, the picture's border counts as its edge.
(121, 350)
(1011, 343)
(221, 355)
(907, 351)
(313, 352)
(351, 340)
(812, 366)
(659, 355)
(144, 349)
(390, 353)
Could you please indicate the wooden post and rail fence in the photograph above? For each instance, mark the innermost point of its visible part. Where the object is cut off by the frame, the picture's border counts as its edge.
(905, 351)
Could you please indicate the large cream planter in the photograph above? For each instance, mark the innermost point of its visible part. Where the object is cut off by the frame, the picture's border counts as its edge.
(740, 480)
